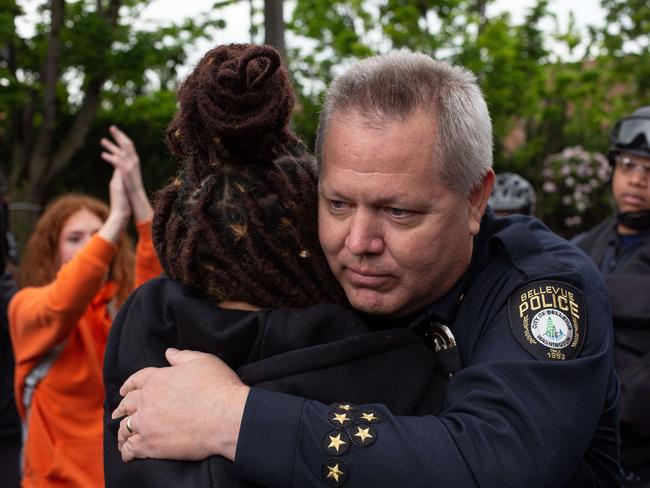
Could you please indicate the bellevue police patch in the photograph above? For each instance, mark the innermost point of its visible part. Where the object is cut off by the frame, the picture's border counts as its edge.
(549, 319)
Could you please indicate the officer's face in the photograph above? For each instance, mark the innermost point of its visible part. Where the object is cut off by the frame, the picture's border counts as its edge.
(394, 234)
(631, 183)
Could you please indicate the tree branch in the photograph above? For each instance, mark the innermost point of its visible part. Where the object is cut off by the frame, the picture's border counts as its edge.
(82, 122)
(113, 11)
(79, 130)
(50, 76)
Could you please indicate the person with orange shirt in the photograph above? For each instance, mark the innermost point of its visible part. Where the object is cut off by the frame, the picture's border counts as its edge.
(77, 270)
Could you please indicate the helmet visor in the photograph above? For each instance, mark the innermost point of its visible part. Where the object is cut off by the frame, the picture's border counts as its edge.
(627, 130)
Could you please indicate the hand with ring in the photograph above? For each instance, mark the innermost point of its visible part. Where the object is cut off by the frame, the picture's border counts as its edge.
(128, 425)
(188, 411)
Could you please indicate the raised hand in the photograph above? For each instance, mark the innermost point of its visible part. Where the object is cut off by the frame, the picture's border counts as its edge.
(123, 156)
(120, 209)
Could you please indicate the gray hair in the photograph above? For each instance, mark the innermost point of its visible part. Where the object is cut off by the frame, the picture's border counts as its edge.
(395, 85)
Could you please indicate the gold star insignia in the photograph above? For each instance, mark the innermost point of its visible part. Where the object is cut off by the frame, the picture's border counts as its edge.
(334, 472)
(341, 418)
(336, 442)
(363, 434)
(369, 416)
(347, 407)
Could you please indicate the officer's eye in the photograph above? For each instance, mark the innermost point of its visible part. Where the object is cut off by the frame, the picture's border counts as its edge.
(627, 165)
(399, 213)
(337, 205)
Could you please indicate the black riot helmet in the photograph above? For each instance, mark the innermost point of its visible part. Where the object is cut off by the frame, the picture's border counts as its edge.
(631, 134)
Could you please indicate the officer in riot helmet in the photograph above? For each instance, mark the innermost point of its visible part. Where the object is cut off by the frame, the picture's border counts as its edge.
(620, 246)
(512, 194)
(630, 157)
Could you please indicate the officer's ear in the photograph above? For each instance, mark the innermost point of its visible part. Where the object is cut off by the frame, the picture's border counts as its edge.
(477, 201)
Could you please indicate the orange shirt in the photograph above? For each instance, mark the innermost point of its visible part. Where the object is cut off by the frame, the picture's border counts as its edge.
(64, 440)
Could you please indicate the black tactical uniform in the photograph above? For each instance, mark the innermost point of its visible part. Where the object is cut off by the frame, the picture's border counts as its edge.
(626, 269)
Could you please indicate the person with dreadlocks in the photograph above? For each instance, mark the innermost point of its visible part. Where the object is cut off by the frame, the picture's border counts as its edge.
(77, 269)
(237, 228)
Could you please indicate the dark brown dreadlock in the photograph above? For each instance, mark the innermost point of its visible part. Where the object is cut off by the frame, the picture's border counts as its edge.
(239, 222)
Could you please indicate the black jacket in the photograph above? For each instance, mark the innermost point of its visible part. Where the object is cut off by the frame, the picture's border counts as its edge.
(628, 284)
(325, 352)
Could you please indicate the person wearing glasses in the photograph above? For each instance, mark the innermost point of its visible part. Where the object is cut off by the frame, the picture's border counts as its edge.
(620, 246)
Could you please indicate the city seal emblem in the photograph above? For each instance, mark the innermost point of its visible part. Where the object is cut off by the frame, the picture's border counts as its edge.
(548, 319)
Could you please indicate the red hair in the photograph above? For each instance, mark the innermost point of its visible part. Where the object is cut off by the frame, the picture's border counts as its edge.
(39, 266)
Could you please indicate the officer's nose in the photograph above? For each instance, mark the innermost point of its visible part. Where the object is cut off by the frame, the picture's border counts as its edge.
(365, 234)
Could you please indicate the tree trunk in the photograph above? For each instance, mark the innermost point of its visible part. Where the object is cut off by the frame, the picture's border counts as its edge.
(40, 156)
(38, 159)
(274, 25)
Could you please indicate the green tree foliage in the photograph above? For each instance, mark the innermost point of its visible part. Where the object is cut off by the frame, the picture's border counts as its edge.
(83, 56)
(545, 91)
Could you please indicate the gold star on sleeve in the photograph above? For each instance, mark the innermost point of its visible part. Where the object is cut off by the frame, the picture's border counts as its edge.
(363, 434)
(334, 472)
(369, 416)
(336, 442)
(341, 418)
(346, 407)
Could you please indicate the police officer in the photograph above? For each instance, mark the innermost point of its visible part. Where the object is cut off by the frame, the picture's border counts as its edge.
(512, 194)
(404, 146)
(620, 246)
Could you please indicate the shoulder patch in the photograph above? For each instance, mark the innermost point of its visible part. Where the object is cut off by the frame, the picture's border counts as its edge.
(549, 319)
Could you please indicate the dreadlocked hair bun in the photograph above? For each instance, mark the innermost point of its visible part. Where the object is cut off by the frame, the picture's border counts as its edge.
(235, 106)
(238, 223)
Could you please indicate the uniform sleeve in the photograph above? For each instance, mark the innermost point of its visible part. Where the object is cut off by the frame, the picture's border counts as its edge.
(42, 317)
(509, 420)
(147, 265)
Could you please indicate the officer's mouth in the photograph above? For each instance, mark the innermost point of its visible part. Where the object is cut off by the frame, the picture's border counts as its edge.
(634, 201)
(365, 279)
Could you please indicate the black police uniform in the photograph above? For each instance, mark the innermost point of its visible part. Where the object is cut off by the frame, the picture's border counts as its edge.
(533, 406)
(626, 268)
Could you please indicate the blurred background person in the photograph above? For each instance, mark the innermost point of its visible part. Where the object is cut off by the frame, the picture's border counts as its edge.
(620, 246)
(512, 194)
(77, 270)
(10, 437)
